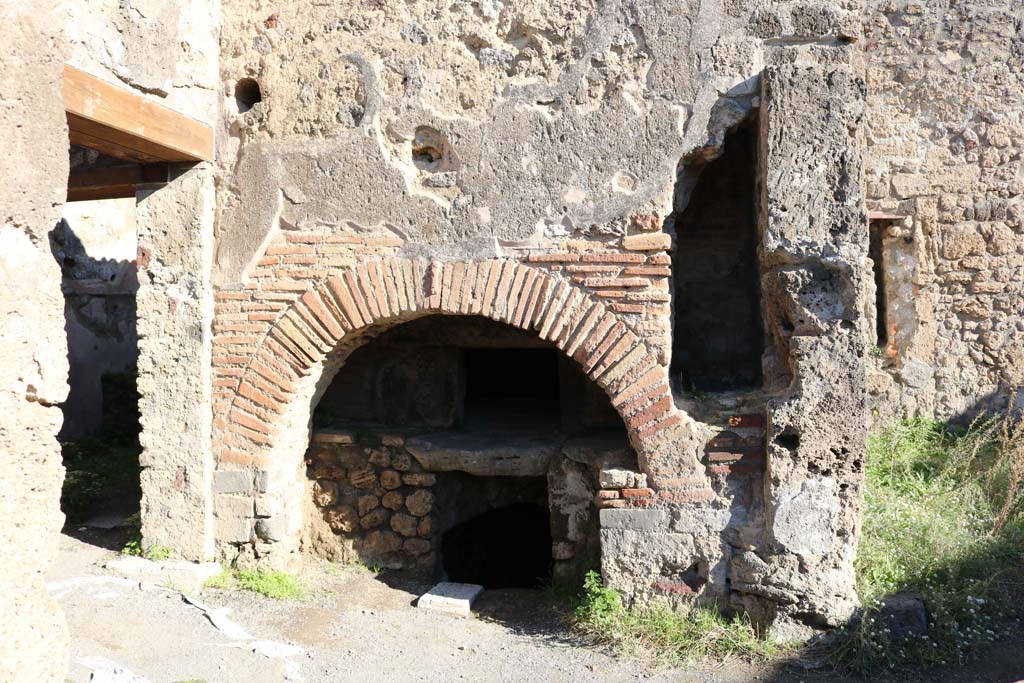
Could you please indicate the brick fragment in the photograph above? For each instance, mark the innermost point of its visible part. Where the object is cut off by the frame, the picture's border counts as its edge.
(358, 296)
(501, 294)
(494, 272)
(345, 303)
(614, 336)
(469, 282)
(612, 257)
(651, 413)
(647, 242)
(556, 303)
(583, 328)
(525, 293)
(369, 291)
(555, 257)
(453, 289)
(515, 291)
(656, 427)
(611, 282)
(648, 271)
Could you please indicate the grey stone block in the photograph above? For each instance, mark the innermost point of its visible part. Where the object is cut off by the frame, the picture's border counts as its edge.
(272, 529)
(905, 616)
(185, 576)
(637, 520)
(232, 481)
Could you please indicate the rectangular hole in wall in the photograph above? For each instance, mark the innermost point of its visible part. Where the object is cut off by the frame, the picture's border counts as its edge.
(876, 250)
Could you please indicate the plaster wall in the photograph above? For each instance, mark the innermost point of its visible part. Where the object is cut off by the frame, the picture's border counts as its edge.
(33, 353)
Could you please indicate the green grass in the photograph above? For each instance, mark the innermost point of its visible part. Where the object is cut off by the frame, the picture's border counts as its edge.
(272, 584)
(356, 565)
(670, 636)
(96, 467)
(224, 580)
(105, 464)
(153, 552)
(942, 517)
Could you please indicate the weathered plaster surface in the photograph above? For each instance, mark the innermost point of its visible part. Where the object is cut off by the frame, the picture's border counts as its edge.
(175, 305)
(163, 49)
(33, 361)
(547, 119)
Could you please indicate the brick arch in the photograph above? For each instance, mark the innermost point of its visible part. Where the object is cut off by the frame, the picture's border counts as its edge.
(350, 301)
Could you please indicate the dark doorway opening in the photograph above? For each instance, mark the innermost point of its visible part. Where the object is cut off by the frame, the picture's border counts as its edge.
(718, 337)
(508, 547)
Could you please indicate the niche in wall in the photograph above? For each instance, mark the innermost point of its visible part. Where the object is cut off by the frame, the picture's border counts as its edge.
(718, 336)
(464, 372)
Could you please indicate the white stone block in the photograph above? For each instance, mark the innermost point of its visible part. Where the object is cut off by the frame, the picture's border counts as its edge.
(185, 576)
(451, 598)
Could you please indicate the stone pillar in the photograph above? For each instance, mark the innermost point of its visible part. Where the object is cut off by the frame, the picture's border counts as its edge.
(175, 309)
(33, 349)
(813, 251)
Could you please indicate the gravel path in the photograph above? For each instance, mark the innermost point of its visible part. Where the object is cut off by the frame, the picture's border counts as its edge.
(352, 627)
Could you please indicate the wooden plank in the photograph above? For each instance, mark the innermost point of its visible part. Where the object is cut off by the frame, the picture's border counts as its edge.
(113, 182)
(123, 124)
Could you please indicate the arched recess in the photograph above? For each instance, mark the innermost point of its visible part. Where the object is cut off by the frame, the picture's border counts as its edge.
(347, 306)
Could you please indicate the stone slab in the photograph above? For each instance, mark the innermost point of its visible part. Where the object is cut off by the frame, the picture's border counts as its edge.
(451, 598)
(185, 576)
(483, 454)
(641, 519)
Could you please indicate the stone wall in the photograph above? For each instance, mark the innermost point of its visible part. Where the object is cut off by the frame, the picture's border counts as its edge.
(943, 168)
(387, 498)
(33, 353)
(521, 161)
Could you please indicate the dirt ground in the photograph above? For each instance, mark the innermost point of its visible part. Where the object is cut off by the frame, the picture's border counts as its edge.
(353, 626)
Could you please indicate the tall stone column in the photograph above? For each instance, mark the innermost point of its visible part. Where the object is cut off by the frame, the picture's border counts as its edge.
(33, 348)
(175, 312)
(813, 248)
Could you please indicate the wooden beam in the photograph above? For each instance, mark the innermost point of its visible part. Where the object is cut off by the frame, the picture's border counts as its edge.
(113, 182)
(123, 124)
